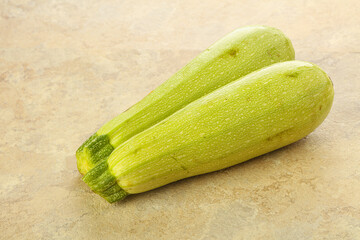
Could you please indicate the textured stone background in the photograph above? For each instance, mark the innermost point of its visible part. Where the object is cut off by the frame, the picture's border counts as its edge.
(66, 67)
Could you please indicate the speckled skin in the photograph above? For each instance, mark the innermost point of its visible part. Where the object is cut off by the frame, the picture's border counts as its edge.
(233, 56)
(263, 111)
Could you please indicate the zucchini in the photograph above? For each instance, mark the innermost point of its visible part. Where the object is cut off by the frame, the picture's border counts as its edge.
(237, 54)
(263, 111)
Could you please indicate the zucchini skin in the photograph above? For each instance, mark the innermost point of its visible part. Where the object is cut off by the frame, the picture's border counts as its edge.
(261, 112)
(237, 54)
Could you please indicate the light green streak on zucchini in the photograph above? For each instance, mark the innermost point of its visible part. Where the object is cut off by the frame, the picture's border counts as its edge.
(261, 112)
(237, 54)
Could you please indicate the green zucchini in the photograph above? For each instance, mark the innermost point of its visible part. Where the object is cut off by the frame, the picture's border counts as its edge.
(263, 111)
(237, 54)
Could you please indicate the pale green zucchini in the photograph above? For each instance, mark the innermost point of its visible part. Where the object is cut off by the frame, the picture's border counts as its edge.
(263, 111)
(237, 54)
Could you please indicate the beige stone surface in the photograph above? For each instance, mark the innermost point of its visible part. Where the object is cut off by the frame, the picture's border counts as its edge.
(66, 67)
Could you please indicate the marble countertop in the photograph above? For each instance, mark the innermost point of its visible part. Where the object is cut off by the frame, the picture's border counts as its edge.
(66, 67)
